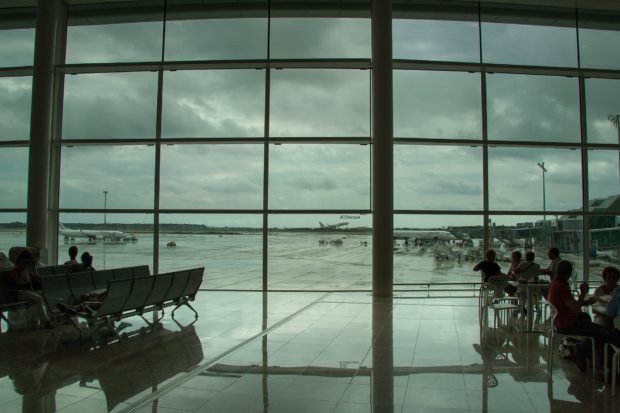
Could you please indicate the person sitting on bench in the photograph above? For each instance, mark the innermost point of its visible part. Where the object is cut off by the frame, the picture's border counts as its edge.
(23, 280)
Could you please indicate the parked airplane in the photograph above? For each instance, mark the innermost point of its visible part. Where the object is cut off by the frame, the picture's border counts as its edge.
(332, 226)
(96, 235)
(424, 235)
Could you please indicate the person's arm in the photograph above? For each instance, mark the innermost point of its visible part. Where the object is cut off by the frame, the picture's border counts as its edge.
(16, 278)
(575, 305)
(477, 267)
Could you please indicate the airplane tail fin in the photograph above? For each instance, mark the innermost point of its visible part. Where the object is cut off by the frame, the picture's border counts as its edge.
(61, 227)
(322, 224)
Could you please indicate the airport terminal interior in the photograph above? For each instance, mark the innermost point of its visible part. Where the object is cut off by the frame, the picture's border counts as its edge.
(337, 167)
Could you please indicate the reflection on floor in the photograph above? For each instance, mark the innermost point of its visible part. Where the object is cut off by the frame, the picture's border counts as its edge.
(298, 352)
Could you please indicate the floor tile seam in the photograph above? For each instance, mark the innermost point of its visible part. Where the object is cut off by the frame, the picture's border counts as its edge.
(206, 365)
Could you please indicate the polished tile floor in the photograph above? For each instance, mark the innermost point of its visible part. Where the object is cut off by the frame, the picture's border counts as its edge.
(298, 352)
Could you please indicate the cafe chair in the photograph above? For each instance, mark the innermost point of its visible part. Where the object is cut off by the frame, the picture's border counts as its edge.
(614, 364)
(555, 338)
(492, 297)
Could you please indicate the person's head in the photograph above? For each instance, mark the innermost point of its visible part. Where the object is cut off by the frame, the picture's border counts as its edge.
(529, 256)
(25, 259)
(565, 269)
(516, 256)
(553, 253)
(611, 275)
(490, 255)
(73, 252)
(87, 259)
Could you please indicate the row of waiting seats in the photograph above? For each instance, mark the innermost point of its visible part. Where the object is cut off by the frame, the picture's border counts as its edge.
(129, 291)
(80, 285)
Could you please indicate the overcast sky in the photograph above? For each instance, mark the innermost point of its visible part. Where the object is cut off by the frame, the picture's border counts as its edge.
(319, 103)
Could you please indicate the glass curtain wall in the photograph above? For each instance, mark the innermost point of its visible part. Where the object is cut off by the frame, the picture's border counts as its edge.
(16, 60)
(237, 135)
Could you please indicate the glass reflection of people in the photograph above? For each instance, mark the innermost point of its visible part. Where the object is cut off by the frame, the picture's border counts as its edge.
(527, 272)
(23, 281)
(488, 267)
(516, 257)
(554, 256)
(73, 252)
(570, 319)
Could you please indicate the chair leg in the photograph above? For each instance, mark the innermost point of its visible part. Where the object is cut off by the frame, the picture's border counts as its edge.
(593, 359)
(614, 373)
(605, 360)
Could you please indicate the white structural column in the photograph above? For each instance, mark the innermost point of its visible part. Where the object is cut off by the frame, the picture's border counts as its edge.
(48, 13)
(382, 149)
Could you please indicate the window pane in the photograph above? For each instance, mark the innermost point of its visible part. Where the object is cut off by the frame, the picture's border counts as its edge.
(436, 248)
(604, 244)
(212, 176)
(437, 177)
(111, 105)
(17, 47)
(599, 35)
(320, 103)
(316, 38)
(12, 231)
(15, 100)
(216, 36)
(132, 245)
(444, 31)
(13, 177)
(305, 256)
(603, 110)
(215, 103)
(528, 36)
(229, 246)
(603, 180)
(110, 33)
(437, 105)
(308, 176)
(533, 108)
(534, 233)
(516, 181)
(125, 172)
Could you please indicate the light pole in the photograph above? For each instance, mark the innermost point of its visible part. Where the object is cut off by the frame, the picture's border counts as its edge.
(542, 167)
(105, 208)
(615, 120)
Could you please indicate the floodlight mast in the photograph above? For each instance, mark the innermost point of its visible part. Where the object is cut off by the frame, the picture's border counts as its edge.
(541, 165)
(615, 120)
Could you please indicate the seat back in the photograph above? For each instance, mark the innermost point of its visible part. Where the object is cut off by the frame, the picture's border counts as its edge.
(117, 294)
(123, 273)
(141, 271)
(80, 283)
(179, 280)
(193, 284)
(102, 277)
(65, 269)
(6, 295)
(140, 291)
(55, 289)
(497, 284)
(161, 285)
(45, 271)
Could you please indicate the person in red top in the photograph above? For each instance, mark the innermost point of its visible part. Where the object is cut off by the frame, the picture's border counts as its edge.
(570, 319)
